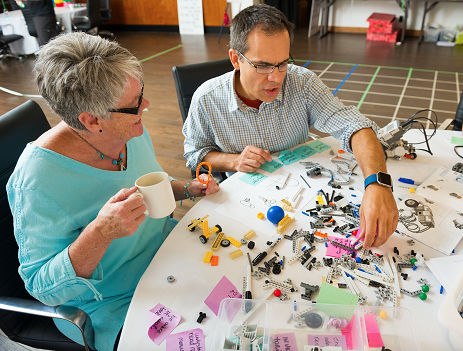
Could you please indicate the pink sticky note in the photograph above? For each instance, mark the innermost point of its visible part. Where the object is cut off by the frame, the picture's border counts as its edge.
(373, 335)
(327, 340)
(162, 322)
(192, 340)
(347, 332)
(224, 289)
(334, 251)
(284, 342)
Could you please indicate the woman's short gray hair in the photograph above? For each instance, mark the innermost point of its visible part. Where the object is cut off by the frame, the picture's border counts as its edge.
(78, 72)
(263, 17)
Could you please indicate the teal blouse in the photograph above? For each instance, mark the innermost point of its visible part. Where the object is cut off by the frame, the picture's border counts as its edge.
(53, 198)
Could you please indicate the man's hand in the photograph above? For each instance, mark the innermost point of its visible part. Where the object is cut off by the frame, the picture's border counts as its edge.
(251, 159)
(378, 214)
(196, 188)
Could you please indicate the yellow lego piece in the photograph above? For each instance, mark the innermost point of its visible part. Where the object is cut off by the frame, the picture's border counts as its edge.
(196, 223)
(216, 244)
(320, 200)
(286, 208)
(234, 241)
(235, 254)
(260, 215)
(249, 234)
(207, 257)
(284, 224)
(212, 230)
(205, 228)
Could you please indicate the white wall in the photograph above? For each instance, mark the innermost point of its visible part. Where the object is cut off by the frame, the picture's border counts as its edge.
(354, 13)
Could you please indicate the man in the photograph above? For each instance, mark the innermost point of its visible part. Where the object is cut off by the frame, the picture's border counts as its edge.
(267, 105)
(44, 18)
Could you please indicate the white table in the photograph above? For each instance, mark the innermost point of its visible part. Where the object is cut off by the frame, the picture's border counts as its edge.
(13, 22)
(182, 253)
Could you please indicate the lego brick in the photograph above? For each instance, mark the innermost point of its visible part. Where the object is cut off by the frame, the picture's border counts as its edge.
(284, 224)
(215, 261)
(235, 254)
(218, 239)
(234, 241)
(208, 256)
(260, 215)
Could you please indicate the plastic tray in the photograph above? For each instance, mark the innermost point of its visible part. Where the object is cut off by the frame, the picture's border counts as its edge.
(268, 320)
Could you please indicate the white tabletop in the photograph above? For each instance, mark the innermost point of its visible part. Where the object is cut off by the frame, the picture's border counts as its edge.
(182, 254)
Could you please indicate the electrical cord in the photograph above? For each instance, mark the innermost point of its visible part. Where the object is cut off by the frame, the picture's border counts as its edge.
(455, 149)
(409, 123)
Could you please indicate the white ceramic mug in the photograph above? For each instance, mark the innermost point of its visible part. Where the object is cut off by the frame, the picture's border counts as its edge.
(156, 192)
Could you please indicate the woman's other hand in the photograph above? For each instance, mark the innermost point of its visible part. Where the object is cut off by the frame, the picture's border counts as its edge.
(196, 188)
(121, 215)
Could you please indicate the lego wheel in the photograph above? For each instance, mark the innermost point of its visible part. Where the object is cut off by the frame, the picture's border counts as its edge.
(411, 203)
(203, 239)
(412, 155)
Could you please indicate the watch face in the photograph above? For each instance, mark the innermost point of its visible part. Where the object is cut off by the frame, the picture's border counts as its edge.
(384, 178)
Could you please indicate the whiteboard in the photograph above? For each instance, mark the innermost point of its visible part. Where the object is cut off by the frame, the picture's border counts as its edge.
(190, 16)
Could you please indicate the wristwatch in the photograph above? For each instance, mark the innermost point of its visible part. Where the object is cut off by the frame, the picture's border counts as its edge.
(381, 178)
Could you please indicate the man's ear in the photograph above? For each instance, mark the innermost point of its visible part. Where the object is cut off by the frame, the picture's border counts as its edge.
(234, 58)
(91, 122)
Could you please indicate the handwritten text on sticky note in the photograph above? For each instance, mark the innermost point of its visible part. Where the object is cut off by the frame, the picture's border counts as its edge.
(191, 340)
(162, 322)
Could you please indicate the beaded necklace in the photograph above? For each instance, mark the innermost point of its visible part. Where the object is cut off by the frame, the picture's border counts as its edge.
(103, 156)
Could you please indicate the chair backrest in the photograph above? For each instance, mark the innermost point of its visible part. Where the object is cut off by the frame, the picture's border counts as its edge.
(105, 9)
(458, 122)
(189, 77)
(18, 127)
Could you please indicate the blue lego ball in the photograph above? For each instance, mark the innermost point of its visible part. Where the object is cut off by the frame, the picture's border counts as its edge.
(275, 214)
(358, 260)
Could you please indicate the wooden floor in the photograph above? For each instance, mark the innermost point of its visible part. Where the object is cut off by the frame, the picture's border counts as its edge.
(332, 57)
(374, 76)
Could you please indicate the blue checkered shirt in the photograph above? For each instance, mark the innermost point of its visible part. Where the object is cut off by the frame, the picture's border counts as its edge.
(219, 120)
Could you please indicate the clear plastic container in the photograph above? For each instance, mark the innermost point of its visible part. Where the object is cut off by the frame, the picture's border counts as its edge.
(431, 34)
(271, 325)
(447, 35)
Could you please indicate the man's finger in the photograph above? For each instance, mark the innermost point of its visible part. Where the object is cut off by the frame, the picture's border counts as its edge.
(370, 231)
(123, 194)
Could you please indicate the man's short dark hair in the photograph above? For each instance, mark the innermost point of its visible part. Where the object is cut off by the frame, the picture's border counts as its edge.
(263, 17)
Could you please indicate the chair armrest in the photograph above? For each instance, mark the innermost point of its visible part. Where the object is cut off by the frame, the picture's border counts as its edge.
(71, 314)
(445, 124)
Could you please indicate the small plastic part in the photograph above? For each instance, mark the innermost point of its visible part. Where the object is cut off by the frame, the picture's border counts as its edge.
(425, 288)
(411, 190)
(423, 296)
(234, 242)
(313, 320)
(215, 261)
(413, 261)
(260, 215)
(202, 315)
(170, 278)
(235, 254)
(203, 239)
(277, 293)
(249, 234)
(383, 314)
(275, 214)
(225, 243)
(208, 256)
(251, 245)
(243, 241)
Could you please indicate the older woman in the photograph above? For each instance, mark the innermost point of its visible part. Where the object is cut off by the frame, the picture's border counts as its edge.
(76, 247)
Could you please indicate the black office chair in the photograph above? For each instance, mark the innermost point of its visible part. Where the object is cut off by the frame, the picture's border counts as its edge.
(106, 14)
(92, 20)
(457, 122)
(5, 51)
(22, 318)
(188, 78)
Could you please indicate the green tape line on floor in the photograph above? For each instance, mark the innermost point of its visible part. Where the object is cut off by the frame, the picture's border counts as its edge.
(161, 53)
(368, 88)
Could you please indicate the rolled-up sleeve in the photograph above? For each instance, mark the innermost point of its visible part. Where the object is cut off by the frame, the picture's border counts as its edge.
(331, 116)
(44, 241)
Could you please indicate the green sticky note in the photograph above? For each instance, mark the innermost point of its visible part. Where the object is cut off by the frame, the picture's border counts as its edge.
(271, 166)
(288, 157)
(253, 178)
(303, 152)
(318, 146)
(329, 294)
(456, 140)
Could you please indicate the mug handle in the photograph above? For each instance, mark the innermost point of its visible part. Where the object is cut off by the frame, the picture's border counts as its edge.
(140, 195)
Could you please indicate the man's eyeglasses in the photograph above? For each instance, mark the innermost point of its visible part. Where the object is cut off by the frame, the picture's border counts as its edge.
(266, 69)
(131, 110)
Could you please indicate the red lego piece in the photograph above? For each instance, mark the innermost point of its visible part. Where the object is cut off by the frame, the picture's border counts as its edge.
(382, 23)
(215, 261)
(392, 37)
